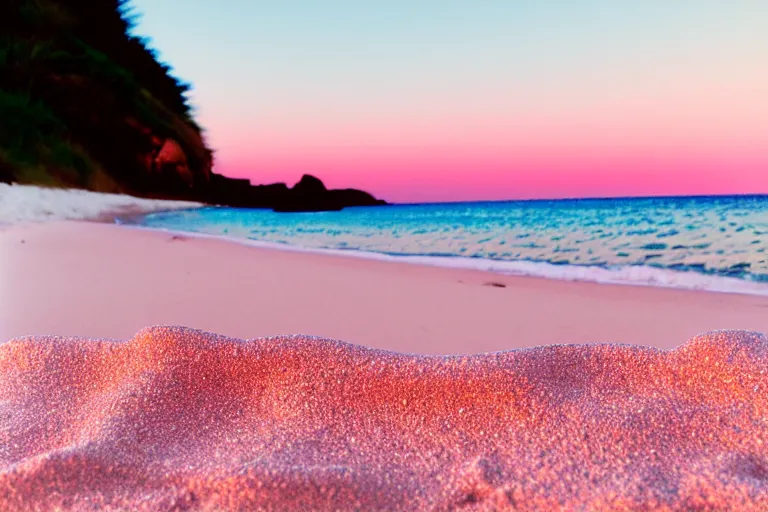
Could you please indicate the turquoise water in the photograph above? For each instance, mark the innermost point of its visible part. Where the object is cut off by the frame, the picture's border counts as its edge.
(716, 243)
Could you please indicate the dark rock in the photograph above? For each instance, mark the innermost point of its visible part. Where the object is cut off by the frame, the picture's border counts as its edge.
(309, 194)
(6, 173)
(309, 186)
(353, 197)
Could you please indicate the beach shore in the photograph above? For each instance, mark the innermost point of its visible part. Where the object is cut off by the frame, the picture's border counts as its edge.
(103, 280)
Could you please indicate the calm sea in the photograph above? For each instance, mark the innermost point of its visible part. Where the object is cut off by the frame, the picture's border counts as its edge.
(715, 243)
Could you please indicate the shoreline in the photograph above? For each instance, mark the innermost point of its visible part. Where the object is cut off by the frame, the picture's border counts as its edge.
(711, 283)
(44, 204)
(92, 279)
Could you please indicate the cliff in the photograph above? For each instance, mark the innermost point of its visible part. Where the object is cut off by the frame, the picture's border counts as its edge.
(85, 104)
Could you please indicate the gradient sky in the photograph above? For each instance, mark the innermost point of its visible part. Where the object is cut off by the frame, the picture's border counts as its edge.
(441, 100)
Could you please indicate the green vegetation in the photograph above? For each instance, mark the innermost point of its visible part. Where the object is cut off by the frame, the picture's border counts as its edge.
(84, 103)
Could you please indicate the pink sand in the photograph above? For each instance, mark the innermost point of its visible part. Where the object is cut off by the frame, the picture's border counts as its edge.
(99, 280)
(176, 419)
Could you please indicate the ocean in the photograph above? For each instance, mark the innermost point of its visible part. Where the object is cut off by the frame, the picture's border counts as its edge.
(711, 243)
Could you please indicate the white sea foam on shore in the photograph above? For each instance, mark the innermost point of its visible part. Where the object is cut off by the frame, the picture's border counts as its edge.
(624, 275)
(25, 203)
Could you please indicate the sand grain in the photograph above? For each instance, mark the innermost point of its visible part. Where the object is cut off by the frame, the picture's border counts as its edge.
(181, 418)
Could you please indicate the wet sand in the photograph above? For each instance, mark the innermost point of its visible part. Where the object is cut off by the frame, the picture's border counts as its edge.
(98, 280)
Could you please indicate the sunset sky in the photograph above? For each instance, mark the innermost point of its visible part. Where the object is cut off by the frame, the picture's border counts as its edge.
(443, 100)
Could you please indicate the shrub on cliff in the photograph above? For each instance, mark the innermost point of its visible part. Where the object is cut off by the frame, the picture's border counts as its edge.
(85, 103)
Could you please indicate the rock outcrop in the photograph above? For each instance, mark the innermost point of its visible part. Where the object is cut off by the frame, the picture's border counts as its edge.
(171, 159)
(309, 194)
(6, 172)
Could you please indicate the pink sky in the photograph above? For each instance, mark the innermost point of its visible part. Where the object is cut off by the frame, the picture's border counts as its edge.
(439, 101)
(710, 140)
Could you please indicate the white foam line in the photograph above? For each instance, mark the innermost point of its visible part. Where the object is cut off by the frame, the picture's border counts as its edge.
(631, 275)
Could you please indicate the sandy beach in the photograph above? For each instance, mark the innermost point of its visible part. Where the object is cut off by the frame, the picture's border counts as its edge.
(253, 415)
(100, 280)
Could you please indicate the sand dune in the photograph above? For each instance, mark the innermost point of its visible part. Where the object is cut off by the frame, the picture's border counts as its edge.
(180, 418)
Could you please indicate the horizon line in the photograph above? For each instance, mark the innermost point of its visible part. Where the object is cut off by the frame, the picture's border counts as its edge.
(584, 198)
